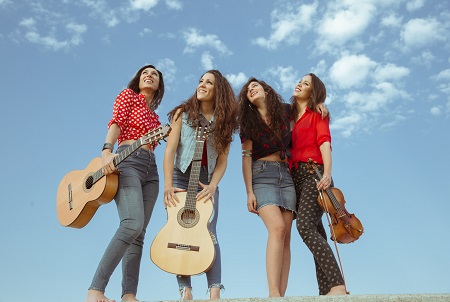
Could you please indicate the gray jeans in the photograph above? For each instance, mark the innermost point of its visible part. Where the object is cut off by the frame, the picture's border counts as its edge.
(135, 199)
(214, 275)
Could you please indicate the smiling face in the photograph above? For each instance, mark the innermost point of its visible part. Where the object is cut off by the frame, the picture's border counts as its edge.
(149, 79)
(255, 93)
(206, 91)
(303, 89)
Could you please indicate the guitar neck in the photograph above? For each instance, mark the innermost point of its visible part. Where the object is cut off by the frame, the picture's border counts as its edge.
(118, 159)
(195, 175)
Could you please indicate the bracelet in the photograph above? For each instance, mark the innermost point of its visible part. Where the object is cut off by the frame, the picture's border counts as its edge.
(108, 146)
(247, 153)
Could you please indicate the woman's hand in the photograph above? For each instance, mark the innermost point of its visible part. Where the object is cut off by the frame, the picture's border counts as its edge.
(324, 183)
(170, 198)
(208, 191)
(323, 110)
(251, 203)
(107, 162)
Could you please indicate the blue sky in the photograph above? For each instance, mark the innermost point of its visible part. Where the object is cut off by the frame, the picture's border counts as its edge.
(386, 65)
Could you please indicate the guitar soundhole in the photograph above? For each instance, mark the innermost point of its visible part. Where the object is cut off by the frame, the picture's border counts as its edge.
(89, 182)
(188, 218)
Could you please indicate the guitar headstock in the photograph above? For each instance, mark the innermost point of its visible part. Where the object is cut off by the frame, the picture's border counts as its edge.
(156, 135)
(203, 130)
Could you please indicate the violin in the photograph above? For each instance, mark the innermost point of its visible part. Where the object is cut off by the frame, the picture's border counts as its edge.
(345, 227)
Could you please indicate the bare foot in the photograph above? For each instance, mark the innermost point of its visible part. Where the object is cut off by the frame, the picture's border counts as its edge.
(97, 296)
(186, 293)
(129, 298)
(214, 293)
(337, 291)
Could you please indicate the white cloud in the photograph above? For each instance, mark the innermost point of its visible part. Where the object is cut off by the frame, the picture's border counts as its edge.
(207, 60)
(435, 111)
(444, 75)
(422, 32)
(391, 20)
(342, 22)
(390, 72)
(5, 2)
(412, 5)
(372, 102)
(174, 4)
(287, 24)
(195, 40)
(101, 11)
(287, 76)
(168, 69)
(146, 31)
(32, 35)
(237, 80)
(143, 4)
(351, 70)
(346, 124)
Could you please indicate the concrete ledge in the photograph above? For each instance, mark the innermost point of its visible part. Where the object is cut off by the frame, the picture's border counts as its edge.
(350, 298)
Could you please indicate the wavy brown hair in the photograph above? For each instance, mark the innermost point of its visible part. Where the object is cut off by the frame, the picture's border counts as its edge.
(250, 120)
(318, 96)
(225, 107)
(159, 93)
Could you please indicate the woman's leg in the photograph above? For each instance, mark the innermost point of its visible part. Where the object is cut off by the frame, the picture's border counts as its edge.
(131, 261)
(288, 217)
(308, 223)
(130, 209)
(276, 228)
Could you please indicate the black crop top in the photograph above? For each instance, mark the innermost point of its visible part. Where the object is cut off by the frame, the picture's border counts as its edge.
(267, 144)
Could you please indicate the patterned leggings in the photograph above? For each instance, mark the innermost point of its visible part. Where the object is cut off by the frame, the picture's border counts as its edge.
(310, 228)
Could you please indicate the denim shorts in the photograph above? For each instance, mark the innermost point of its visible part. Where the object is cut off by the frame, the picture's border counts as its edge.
(272, 185)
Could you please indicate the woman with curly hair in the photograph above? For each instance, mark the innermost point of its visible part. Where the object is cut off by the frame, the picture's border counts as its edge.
(265, 136)
(214, 103)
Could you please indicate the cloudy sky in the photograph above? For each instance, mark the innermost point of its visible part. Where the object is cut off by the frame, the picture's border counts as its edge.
(386, 65)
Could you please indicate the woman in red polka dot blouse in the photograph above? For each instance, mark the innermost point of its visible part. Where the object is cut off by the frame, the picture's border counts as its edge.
(133, 116)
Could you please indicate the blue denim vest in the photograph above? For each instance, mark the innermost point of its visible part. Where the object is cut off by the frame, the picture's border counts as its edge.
(186, 147)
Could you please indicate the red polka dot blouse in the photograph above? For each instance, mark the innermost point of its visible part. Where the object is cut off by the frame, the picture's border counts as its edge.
(133, 116)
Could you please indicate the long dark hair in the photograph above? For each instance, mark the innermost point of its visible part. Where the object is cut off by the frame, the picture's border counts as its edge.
(225, 123)
(159, 93)
(250, 120)
(318, 95)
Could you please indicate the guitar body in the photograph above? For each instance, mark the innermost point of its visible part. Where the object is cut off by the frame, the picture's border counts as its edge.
(184, 245)
(76, 203)
(82, 192)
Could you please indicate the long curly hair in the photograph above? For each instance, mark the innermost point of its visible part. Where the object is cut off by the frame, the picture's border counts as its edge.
(250, 120)
(318, 96)
(159, 93)
(225, 107)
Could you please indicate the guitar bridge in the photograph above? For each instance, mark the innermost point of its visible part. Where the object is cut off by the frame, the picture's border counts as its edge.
(183, 247)
(69, 190)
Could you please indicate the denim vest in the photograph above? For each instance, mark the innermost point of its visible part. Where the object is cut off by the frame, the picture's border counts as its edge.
(186, 147)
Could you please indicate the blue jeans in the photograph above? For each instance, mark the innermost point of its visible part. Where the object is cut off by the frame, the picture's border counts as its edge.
(135, 199)
(214, 275)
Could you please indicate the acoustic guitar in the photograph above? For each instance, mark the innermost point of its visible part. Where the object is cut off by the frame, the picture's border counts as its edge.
(82, 192)
(184, 245)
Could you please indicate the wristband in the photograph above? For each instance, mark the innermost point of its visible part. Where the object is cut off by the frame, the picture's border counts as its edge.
(108, 146)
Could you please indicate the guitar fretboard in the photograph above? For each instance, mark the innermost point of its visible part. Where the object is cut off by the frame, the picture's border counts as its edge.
(195, 176)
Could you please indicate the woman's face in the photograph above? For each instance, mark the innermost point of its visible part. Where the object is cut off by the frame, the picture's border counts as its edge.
(206, 91)
(255, 93)
(149, 79)
(303, 89)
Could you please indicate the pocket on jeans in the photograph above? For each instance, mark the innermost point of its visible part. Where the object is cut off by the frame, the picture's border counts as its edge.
(258, 168)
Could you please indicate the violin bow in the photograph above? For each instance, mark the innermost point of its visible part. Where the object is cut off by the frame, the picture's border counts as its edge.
(330, 224)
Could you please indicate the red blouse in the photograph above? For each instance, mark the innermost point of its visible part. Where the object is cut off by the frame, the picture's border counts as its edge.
(309, 132)
(133, 116)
